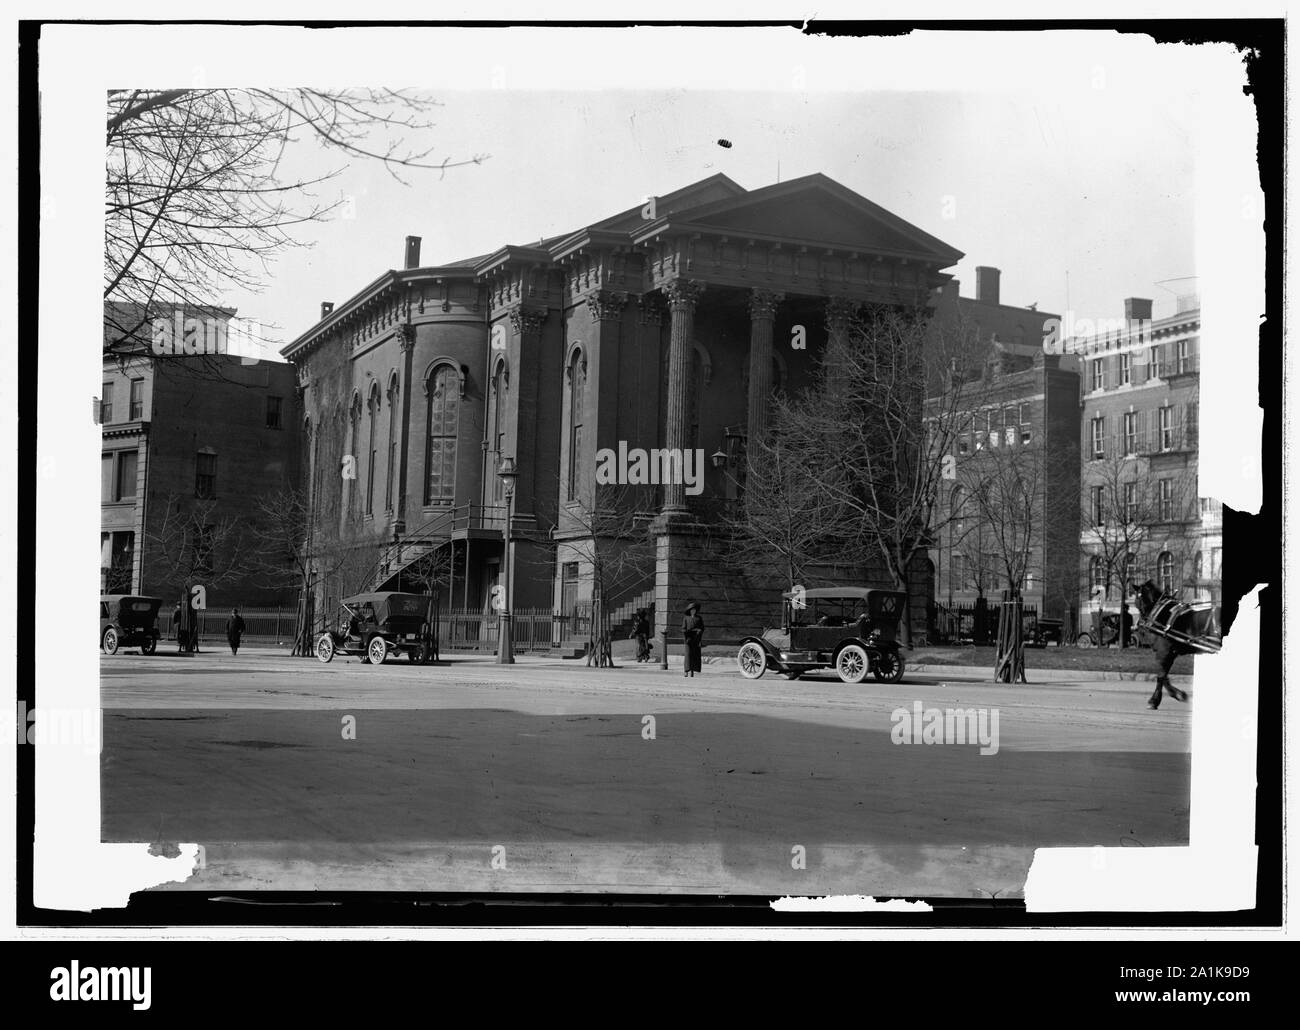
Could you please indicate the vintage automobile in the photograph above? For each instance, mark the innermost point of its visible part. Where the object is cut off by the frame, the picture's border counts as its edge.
(852, 630)
(379, 624)
(128, 620)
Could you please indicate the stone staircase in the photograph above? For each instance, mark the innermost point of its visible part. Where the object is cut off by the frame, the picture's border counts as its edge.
(620, 624)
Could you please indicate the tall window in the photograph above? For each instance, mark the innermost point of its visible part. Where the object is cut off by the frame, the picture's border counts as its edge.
(106, 405)
(1130, 503)
(1130, 433)
(1099, 437)
(372, 452)
(1166, 500)
(1165, 572)
(137, 399)
(1097, 573)
(498, 427)
(1098, 505)
(1026, 425)
(126, 466)
(1125, 370)
(1153, 369)
(1198, 567)
(1098, 374)
(1166, 428)
(1184, 356)
(577, 402)
(1131, 570)
(444, 424)
(205, 475)
(390, 490)
(274, 412)
(106, 478)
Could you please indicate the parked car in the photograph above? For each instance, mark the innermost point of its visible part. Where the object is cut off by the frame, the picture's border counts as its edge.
(128, 620)
(852, 630)
(379, 624)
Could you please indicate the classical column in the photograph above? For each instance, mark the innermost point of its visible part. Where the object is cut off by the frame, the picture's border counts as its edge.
(762, 312)
(682, 295)
(525, 370)
(406, 339)
(840, 312)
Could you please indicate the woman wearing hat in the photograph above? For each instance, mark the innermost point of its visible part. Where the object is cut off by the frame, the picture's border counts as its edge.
(693, 632)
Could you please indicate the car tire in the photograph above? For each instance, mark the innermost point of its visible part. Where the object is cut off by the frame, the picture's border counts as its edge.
(377, 650)
(1084, 640)
(852, 663)
(324, 649)
(149, 646)
(752, 660)
(109, 641)
(889, 668)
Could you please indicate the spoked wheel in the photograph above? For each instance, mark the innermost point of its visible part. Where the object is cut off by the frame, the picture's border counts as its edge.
(852, 663)
(1084, 640)
(149, 646)
(325, 648)
(888, 667)
(377, 651)
(752, 660)
(109, 641)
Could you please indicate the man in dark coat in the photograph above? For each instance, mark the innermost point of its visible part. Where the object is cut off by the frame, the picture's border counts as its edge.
(641, 630)
(693, 633)
(178, 630)
(234, 630)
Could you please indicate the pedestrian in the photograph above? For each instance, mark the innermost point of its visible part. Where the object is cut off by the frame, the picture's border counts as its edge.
(234, 630)
(693, 633)
(177, 633)
(641, 630)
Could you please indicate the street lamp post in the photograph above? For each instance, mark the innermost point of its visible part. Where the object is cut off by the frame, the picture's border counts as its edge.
(505, 645)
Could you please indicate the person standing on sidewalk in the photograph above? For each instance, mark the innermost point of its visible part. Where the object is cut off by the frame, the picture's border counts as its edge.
(641, 630)
(234, 630)
(693, 633)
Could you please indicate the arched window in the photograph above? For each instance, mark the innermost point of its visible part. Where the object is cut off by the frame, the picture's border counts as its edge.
(498, 422)
(1097, 575)
(393, 391)
(1165, 572)
(577, 405)
(443, 420)
(371, 451)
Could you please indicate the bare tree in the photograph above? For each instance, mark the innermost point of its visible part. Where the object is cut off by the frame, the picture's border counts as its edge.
(877, 430)
(198, 199)
(191, 546)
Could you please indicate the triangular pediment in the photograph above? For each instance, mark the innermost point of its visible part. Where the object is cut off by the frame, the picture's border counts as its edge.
(705, 193)
(818, 210)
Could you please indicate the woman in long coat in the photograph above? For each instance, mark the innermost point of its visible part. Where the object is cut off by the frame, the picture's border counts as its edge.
(693, 632)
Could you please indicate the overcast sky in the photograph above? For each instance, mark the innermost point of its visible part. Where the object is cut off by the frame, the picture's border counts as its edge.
(1086, 168)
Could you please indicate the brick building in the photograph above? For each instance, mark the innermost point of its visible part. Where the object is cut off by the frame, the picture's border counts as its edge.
(1142, 516)
(664, 326)
(1017, 417)
(182, 432)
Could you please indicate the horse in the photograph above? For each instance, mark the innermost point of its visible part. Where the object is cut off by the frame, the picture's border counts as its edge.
(1175, 629)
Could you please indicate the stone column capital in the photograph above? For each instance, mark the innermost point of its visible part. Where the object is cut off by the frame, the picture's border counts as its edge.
(526, 321)
(763, 304)
(606, 305)
(840, 311)
(648, 310)
(682, 293)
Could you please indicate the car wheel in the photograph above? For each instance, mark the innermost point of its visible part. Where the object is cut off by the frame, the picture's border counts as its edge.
(325, 649)
(109, 641)
(377, 650)
(888, 667)
(852, 663)
(1084, 640)
(752, 660)
(149, 646)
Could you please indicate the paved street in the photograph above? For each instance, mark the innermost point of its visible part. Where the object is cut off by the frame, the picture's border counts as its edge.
(470, 776)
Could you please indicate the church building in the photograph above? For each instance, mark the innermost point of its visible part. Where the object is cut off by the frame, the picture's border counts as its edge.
(665, 327)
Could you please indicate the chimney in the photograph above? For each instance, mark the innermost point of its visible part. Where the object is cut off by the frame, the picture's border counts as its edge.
(326, 308)
(986, 284)
(1137, 309)
(412, 252)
